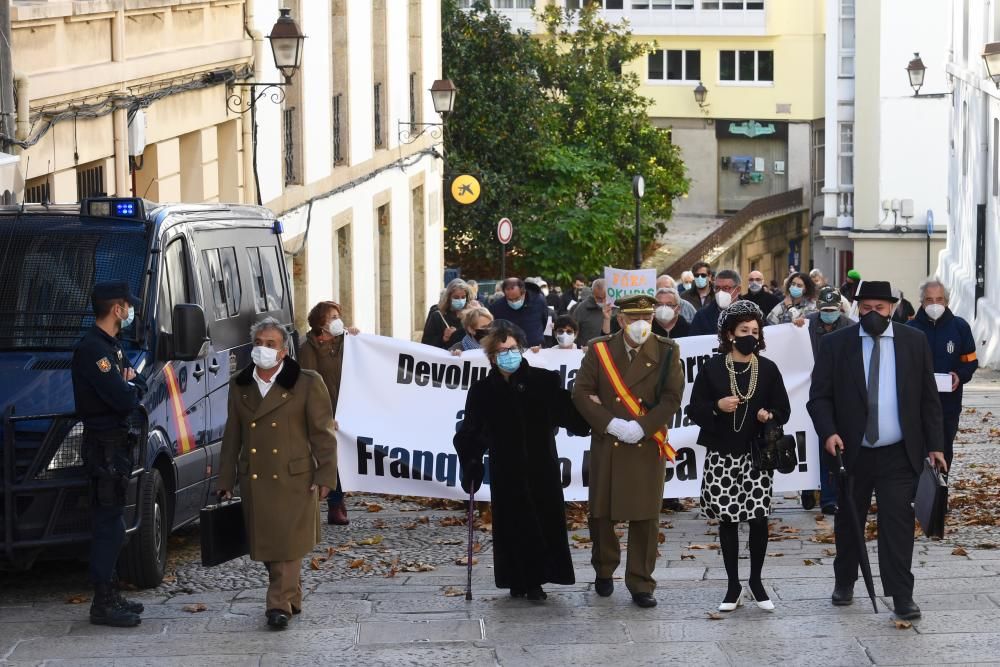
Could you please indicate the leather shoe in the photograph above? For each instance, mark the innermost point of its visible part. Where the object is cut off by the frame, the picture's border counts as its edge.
(830, 509)
(337, 515)
(905, 608)
(644, 600)
(842, 595)
(604, 587)
(277, 618)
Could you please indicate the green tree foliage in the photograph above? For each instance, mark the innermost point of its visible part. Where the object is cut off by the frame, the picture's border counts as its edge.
(555, 133)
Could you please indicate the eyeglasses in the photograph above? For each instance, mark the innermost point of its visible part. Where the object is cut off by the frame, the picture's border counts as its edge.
(701, 275)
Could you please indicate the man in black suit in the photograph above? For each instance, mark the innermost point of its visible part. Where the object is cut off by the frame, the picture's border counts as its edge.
(874, 398)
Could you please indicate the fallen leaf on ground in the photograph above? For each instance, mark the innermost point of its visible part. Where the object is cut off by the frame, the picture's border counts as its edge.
(452, 521)
(449, 541)
(423, 519)
(959, 551)
(314, 563)
(464, 560)
(820, 518)
(987, 545)
(368, 541)
(391, 573)
(687, 556)
(452, 592)
(169, 579)
(195, 608)
(829, 552)
(79, 598)
(356, 563)
(715, 616)
(661, 538)
(776, 555)
(698, 546)
(410, 526)
(374, 507)
(477, 547)
(378, 523)
(416, 567)
(901, 624)
(581, 538)
(809, 561)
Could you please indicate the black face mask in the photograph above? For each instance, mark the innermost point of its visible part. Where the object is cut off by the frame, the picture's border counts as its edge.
(873, 323)
(745, 344)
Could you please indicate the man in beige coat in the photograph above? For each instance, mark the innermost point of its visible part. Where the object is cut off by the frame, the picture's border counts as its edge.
(627, 463)
(279, 442)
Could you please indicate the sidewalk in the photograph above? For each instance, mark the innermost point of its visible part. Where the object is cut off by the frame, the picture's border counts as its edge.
(352, 616)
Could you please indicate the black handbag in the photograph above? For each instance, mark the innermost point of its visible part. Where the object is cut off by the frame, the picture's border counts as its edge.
(773, 451)
(223, 533)
(931, 503)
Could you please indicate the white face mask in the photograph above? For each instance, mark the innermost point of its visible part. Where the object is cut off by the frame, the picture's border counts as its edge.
(335, 327)
(756, 286)
(264, 357)
(665, 313)
(639, 331)
(565, 339)
(934, 311)
(545, 291)
(723, 299)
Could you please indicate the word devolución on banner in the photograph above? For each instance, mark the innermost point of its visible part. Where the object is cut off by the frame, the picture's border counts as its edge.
(401, 404)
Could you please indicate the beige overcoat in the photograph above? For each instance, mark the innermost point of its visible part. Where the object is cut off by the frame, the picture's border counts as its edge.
(626, 481)
(277, 447)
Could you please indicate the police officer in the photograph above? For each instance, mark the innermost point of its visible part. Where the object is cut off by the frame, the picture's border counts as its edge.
(106, 390)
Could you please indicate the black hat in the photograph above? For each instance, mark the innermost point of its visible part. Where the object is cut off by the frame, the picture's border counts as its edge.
(114, 289)
(829, 298)
(875, 289)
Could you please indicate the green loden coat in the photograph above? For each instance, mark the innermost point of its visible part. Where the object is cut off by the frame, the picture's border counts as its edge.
(626, 481)
(278, 446)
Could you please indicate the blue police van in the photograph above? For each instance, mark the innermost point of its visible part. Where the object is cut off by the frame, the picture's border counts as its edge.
(205, 274)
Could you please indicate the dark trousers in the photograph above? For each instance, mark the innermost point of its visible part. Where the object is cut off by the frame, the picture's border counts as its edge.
(336, 496)
(107, 458)
(828, 492)
(887, 472)
(950, 431)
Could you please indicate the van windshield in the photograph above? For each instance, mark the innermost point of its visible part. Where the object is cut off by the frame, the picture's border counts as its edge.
(48, 265)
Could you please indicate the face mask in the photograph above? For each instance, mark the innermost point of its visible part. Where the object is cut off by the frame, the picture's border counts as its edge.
(457, 304)
(639, 331)
(829, 316)
(264, 357)
(509, 360)
(565, 338)
(745, 344)
(127, 322)
(874, 324)
(701, 282)
(665, 313)
(795, 291)
(516, 305)
(687, 286)
(756, 286)
(336, 327)
(934, 311)
(545, 291)
(723, 299)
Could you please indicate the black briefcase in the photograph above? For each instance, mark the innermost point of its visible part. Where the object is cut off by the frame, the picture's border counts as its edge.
(223, 533)
(931, 503)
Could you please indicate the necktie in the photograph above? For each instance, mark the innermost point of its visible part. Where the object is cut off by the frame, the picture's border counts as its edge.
(631, 354)
(871, 428)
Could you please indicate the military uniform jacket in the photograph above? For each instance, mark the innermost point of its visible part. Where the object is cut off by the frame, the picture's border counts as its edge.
(103, 398)
(278, 446)
(626, 481)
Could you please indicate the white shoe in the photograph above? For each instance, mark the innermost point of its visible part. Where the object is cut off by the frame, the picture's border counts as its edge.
(766, 605)
(731, 606)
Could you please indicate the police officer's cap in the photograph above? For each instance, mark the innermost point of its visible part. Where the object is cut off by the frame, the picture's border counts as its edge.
(636, 304)
(114, 289)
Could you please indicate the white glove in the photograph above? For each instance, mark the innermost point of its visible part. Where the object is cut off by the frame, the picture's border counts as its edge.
(633, 433)
(618, 428)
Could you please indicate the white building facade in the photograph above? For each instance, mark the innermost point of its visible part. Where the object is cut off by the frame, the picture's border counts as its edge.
(886, 151)
(968, 265)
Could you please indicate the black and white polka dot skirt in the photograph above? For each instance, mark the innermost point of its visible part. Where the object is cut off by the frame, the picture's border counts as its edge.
(731, 490)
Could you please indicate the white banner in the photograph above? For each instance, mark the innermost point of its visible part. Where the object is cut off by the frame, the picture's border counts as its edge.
(401, 403)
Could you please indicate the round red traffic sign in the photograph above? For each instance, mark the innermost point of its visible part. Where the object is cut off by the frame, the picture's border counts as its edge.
(505, 230)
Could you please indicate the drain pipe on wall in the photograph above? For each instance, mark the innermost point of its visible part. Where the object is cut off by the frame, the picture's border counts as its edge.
(250, 182)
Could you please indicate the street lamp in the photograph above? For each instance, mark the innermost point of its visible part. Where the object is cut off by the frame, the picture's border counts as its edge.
(915, 70)
(286, 49)
(991, 57)
(638, 190)
(443, 93)
(700, 93)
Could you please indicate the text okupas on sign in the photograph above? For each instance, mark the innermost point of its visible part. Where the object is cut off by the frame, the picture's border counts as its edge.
(401, 404)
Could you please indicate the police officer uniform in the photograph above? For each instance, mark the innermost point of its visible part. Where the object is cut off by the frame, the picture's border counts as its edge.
(626, 479)
(104, 401)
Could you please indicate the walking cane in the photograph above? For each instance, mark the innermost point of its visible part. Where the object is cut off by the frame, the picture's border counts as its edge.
(468, 559)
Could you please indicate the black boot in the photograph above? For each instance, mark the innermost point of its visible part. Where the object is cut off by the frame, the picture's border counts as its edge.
(123, 602)
(105, 610)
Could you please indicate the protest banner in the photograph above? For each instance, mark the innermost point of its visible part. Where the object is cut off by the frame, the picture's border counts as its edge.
(401, 404)
(626, 282)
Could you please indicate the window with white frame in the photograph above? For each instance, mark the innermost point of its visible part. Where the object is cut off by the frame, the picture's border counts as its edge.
(845, 153)
(603, 4)
(674, 65)
(819, 158)
(663, 4)
(846, 54)
(733, 5)
(746, 66)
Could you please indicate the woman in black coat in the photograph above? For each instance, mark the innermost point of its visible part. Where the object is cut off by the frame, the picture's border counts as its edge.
(735, 394)
(513, 413)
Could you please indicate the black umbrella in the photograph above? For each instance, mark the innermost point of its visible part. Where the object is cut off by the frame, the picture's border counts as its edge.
(847, 484)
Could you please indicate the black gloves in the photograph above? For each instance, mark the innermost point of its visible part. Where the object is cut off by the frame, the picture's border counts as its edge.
(472, 475)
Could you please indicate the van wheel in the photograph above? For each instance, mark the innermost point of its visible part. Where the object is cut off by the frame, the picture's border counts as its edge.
(145, 558)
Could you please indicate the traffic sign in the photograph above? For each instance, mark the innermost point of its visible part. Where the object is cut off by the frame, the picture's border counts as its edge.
(505, 230)
(465, 189)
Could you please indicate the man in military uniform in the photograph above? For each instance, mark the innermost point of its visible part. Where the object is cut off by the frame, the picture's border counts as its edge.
(628, 388)
(106, 390)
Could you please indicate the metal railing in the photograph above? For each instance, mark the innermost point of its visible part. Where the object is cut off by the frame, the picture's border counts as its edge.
(763, 207)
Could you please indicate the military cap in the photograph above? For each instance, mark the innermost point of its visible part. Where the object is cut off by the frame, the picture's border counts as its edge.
(828, 299)
(114, 289)
(636, 304)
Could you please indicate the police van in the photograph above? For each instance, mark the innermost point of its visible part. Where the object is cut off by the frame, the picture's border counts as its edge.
(205, 274)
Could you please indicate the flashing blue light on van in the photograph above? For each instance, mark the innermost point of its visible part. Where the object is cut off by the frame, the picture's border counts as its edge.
(113, 207)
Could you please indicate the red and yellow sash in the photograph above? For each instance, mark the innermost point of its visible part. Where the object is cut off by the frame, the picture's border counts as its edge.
(628, 399)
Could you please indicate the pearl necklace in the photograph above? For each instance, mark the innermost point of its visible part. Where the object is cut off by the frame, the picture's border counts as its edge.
(734, 387)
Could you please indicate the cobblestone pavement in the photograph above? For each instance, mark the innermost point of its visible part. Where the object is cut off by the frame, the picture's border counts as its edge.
(386, 590)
